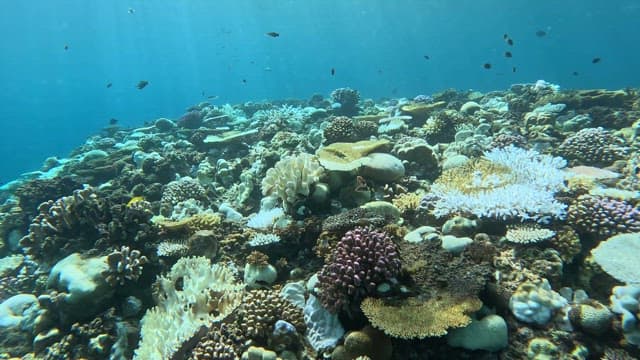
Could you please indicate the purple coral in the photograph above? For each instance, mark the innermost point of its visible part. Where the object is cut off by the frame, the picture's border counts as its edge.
(593, 147)
(362, 260)
(603, 216)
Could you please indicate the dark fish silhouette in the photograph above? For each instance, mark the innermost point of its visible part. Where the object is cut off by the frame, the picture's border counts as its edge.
(508, 54)
(505, 36)
(244, 81)
(427, 57)
(113, 121)
(513, 69)
(131, 11)
(109, 85)
(487, 66)
(142, 84)
(541, 33)
(510, 42)
(595, 60)
(66, 47)
(333, 71)
(212, 97)
(273, 34)
(575, 73)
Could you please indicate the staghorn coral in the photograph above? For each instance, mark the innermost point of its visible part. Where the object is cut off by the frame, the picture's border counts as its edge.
(603, 216)
(124, 264)
(261, 309)
(193, 294)
(413, 318)
(291, 178)
(592, 146)
(363, 259)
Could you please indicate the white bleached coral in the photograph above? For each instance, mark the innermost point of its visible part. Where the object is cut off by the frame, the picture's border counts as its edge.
(206, 293)
(291, 178)
(507, 183)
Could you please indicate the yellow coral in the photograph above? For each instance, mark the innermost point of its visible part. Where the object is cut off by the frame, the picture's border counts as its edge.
(407, 202)
(191, 223)
(476, 176)
(416, 319)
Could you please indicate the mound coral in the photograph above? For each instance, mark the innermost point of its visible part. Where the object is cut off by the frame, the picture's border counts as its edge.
(603, 216)
(291, 178)
(592, 146)
(416, 319)
(362, 260)
(261, 309)
(507, 183)
(348, 100)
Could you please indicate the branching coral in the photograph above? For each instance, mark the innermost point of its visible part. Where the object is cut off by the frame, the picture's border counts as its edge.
(124, 264)
(362, 260)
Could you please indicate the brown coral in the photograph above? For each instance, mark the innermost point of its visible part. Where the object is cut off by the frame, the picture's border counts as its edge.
(262, 308)
(416, 319)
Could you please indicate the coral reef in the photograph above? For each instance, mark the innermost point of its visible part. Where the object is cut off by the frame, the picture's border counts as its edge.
(380, 225)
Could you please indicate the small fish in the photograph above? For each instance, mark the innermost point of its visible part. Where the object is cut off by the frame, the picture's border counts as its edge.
(131, 11)
(513, 69)
(66, 47)
(244, 81)
(142, 84)
(273, 34)
(212, 97)
(575, 73)
(113, 121)
(541, 33)
(510, 42)
(487, 66)
(505, 36)
(134, 200)
(508, 54)
(427, 57)
(333, 71)
(202, 93)
(595, 60)
(109, 85)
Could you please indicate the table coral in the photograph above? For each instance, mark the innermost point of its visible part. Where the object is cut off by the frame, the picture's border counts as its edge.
(416, 319)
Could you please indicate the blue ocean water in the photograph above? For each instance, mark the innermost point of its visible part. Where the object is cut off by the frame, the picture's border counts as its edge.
(51, 99)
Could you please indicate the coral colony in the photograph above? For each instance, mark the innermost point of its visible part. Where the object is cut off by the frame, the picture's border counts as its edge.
(454, 225)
